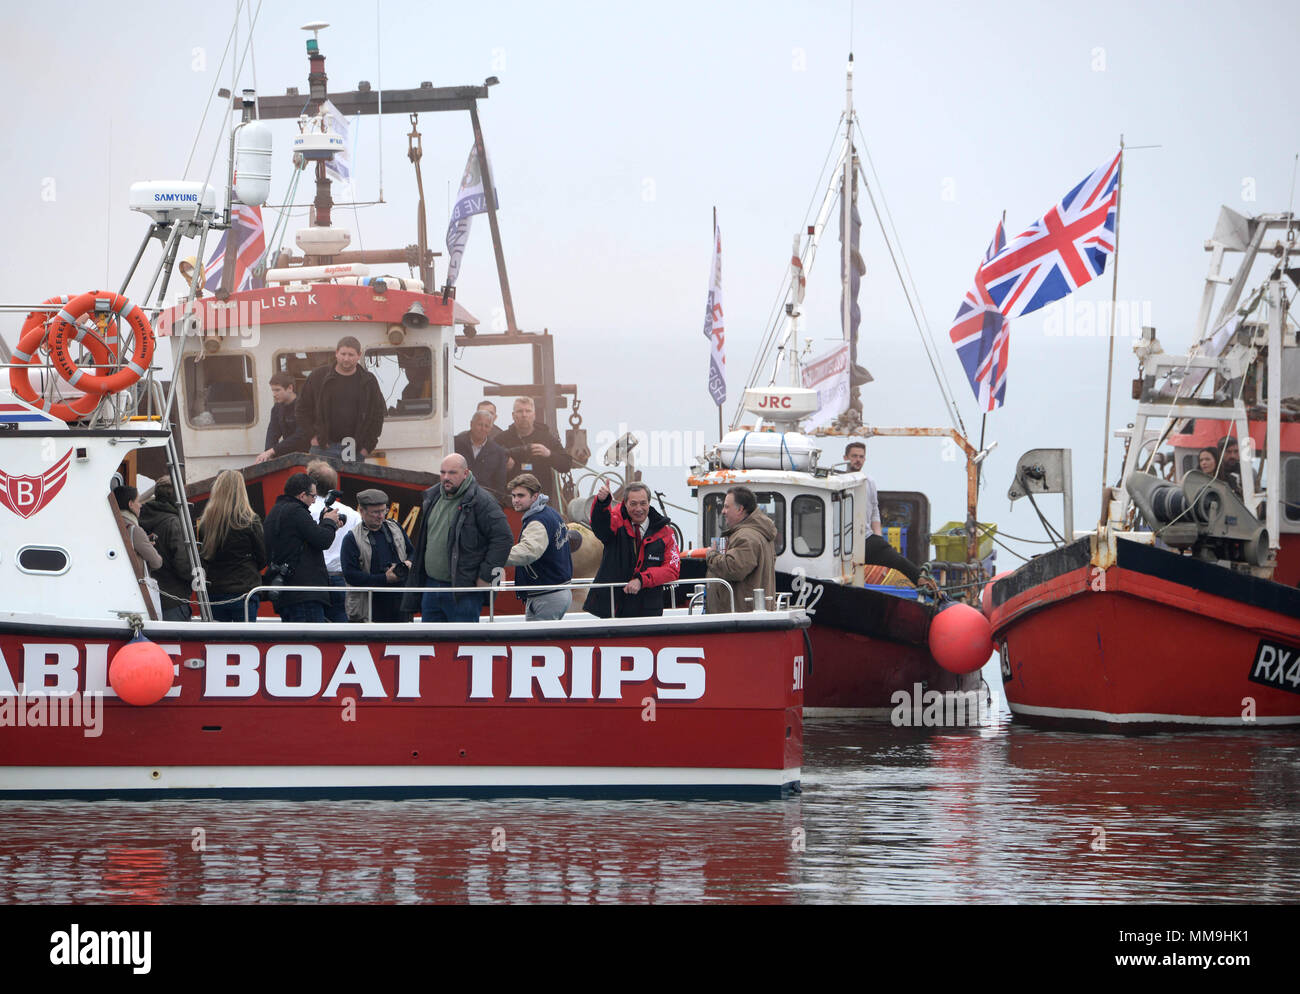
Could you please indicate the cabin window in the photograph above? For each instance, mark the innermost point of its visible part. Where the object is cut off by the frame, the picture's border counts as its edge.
(42, 559)
(771, 504)
(219, 391)
(405, 376)
(807, 525)
(1291, 488)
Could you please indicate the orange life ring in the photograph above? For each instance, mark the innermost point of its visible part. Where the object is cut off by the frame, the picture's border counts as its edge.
(25, 355)
(65, 330)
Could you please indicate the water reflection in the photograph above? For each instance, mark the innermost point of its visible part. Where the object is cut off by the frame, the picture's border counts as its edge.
(1004, 814)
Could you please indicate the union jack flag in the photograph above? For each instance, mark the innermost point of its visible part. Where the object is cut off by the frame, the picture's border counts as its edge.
(982, 334)
(246, 226)
(1061, 251)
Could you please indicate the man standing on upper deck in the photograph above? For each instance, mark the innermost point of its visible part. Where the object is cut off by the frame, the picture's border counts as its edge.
(876, 550)
(282, 432)
(341, 408)
(534, 448)
(487, 460)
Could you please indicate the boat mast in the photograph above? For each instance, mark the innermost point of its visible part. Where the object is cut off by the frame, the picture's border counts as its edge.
(846, 230)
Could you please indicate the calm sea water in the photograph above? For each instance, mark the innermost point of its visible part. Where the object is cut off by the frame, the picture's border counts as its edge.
(996, 814)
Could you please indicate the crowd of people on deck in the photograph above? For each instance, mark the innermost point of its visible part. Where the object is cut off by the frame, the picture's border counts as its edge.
(461, 539)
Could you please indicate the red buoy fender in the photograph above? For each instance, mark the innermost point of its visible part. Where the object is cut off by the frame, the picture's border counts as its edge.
(961, 638)
(141, 672)
(103, 353)
(64, 331)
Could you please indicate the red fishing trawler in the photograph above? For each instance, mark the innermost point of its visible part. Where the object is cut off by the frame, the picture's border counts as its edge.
(1181, 609)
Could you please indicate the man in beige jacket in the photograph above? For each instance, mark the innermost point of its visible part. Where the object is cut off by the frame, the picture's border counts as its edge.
(748, 561)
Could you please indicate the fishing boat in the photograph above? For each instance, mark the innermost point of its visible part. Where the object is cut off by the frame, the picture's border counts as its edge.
(873, 632)
(1181, 607)
(99, 697)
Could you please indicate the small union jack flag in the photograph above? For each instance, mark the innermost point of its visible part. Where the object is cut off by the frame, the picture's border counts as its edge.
(246, 227)
(1061, 251)
(982, 335)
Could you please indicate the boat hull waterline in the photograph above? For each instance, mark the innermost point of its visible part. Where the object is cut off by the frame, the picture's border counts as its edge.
(1155, 640)
(668, 707)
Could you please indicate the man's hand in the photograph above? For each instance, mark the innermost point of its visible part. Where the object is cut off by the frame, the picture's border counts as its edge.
(539, 450)
(263, 457)
(480, 582)
(365, 453)
(603, 493)
(315, 440)
(389, 575)
(634, 586)
(329, 514)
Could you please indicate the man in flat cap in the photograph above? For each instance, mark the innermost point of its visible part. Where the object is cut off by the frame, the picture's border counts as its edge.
(376, 553)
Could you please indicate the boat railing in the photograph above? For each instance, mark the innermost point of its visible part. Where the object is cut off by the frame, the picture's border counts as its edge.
(697, 596)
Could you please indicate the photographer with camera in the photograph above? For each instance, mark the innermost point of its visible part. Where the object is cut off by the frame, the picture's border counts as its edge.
(296, 545)
(328, 495)
(376, 553)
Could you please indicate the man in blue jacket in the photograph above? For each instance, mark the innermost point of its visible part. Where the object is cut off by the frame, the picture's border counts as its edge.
(462, 539)
(541, 557)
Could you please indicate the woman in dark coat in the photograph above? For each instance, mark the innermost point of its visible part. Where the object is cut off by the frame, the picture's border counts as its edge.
(232, 548)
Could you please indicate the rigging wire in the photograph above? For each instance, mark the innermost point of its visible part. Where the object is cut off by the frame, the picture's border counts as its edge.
(495, 383)
(923, 324)
(230, 105)
(773, 319)
(216, 78)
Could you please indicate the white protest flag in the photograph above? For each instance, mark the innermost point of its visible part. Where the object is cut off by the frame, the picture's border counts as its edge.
(338, 168)
(829, 375)
(470, 200)
(714, 326)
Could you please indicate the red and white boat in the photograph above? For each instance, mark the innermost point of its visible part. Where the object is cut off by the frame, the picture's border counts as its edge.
(1182, 609)
(871, 633)
(681, 705)
(684, 705)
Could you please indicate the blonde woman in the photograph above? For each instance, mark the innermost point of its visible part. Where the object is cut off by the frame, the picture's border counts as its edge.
(232, 547)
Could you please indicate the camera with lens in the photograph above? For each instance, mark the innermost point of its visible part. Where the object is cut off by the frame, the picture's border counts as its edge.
(401, 571)
(331, 497)
(277, 574)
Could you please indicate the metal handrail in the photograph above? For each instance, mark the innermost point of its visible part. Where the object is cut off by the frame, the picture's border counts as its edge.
(493, 589)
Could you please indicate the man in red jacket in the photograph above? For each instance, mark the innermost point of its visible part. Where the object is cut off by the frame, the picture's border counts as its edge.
(640, 552)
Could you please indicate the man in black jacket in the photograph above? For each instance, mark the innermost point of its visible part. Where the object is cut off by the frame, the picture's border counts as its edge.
(341, 409)
(534, 448)
(292, 537)
(486, 459)
(462, 539)
(282, 432)
(161, 520)
(640, 552)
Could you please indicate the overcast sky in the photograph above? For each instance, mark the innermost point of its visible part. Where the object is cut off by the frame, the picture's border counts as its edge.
(617, 128)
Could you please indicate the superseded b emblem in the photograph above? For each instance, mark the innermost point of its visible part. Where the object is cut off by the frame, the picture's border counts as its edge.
(26, 495)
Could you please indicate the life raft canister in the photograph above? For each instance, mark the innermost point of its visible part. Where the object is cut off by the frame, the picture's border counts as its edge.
(103, 353)
(65, 331)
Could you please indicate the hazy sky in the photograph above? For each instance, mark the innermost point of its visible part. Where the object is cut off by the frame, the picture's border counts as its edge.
(617, 128)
